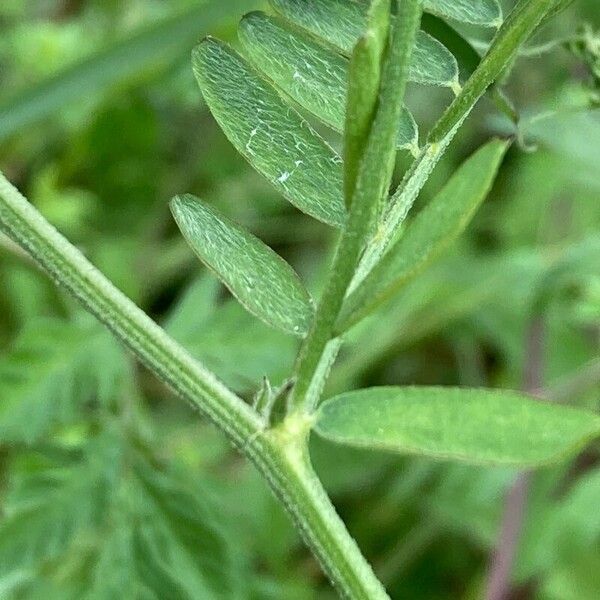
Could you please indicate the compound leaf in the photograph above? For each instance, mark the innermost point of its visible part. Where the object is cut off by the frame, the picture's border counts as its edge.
(260, 279)
(470, 425)
(313, 75)
(271, 135)
(109, 521)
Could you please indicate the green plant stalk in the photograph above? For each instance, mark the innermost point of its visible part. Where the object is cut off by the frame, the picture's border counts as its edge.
(516, 29)
(279, 454)
(363, 209)
(71, 270)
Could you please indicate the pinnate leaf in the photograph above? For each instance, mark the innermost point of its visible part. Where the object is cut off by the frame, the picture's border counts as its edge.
(434, 228)
(108, 521)
(271, 135)
(312, 74)
(343, 22)
(470, 425)
(261, 280)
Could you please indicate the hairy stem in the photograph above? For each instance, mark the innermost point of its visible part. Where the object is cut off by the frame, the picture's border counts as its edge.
(364, 206)
(300, 488)
(155, 349)
(278, 454)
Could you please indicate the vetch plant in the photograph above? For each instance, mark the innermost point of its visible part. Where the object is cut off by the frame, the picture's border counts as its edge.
(347, 64)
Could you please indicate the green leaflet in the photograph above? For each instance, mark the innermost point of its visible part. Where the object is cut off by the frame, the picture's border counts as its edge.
(310, 73)
(271, 135)
(434, 228)
(260, 279)
(476, 12)
(144, 52)
(469, 425)
(342, 22)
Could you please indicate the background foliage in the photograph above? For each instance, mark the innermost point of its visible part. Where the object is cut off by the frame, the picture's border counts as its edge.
(110, 487)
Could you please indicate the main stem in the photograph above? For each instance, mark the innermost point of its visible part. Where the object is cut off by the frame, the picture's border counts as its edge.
(280, 454)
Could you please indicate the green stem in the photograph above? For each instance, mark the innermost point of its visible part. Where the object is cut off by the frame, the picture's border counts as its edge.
(69, 268)
(373, 170)
(276, 452)
(516, 29)
(400, 204)
(299, 487)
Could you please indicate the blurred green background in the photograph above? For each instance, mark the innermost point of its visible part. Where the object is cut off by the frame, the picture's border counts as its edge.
(111, 488)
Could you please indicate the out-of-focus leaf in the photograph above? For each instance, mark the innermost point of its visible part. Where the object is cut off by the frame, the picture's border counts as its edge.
(144, 52)
(578, 262)
(574, 580)
(563, 531)
(559, 128)
(114, 522)
(259, 278)
(312, 74)
(434, 228)
(341, 23)
(54, 368)
(469, 425)
(43, 513)
(271, 135)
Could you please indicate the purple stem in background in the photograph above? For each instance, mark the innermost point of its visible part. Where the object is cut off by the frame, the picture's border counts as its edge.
(498, 585)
